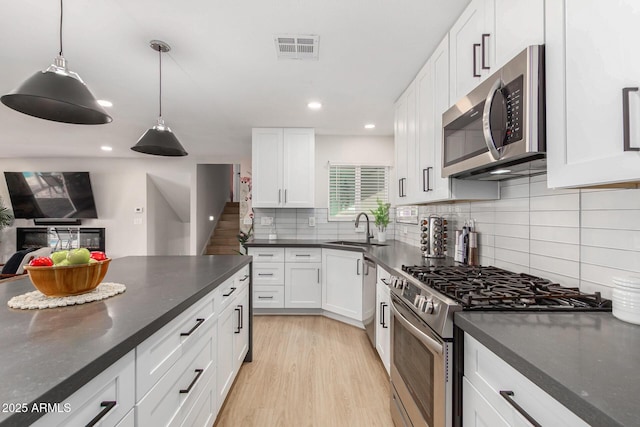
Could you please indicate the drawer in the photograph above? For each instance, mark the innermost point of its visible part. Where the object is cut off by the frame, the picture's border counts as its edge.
(383, 274)
(171, 399)
(157, 354)
(303, 255)
(114, 384)
(490, 374)
(203, 413)
(241, 278)
(268, 274)
(226, 292)
(267, 254)
(268, 297)
(129, 420)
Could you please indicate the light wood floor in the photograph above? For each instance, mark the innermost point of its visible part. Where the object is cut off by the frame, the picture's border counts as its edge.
(308, 371)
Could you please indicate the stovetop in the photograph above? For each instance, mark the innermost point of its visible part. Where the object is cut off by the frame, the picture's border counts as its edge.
(492, 288)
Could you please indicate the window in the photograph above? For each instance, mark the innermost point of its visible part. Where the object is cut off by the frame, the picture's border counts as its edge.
(354, 189)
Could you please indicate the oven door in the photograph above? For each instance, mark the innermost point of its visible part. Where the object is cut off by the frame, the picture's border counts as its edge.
(418, 370)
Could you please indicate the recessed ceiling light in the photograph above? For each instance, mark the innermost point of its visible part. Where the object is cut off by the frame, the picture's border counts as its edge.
(369, 126)
(106, 148)
(314, 105)
(500, 171)
(105, 103)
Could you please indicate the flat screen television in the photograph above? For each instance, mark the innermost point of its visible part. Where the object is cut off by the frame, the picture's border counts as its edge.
(51, 195)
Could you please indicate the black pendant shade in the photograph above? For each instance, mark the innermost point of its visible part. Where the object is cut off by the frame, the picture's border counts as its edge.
(159, 140)
(58, 97)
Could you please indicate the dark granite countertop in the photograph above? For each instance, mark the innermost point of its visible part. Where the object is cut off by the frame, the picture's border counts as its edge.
(392, 255)
(49, 354)
(589, 362)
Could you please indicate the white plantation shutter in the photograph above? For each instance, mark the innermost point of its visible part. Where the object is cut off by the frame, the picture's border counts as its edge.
(354, 189)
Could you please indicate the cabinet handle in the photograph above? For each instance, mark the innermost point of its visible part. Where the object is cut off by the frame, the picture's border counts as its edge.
(107, 405)
(265, 254)
(475, 59)
(381, 321)
(271, 297)
(626, 126)
(265, 274)
(279, 196)
(357, 267)
(230, 292)
(246, 276)
(305, 255)
(426, 181)
(239, 317)
(318, 276)
(484, 65)
(285, 195)
(196, 326)
(507, 396)
(193, 382)
(384, 323)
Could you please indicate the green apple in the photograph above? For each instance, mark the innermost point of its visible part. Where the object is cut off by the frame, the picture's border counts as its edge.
(79, 256)
(58, 257)
(92, 261)
(62, 263)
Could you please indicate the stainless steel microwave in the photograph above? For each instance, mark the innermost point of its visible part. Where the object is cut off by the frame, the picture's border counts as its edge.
(498, 130)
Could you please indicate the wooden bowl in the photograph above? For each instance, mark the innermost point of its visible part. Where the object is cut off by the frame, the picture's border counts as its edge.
(62, 281)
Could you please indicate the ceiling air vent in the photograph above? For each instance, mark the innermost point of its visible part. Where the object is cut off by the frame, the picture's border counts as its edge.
(297, 47)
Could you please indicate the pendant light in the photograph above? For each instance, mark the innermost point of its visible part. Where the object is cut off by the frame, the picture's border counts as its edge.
(159, 140)
(57, 94)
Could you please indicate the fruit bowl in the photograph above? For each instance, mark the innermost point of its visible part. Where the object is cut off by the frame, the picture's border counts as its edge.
(62, 281)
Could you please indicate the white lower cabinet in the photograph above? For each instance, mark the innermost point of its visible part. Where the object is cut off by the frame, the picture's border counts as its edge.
(303, 287)
(492, 388)
(106, 399)
(383, 323)
(241, 333)
(129, 420)
(342, 273)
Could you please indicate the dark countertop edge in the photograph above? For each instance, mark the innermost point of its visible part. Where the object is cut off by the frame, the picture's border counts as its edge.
(575, 403)
(83, 376)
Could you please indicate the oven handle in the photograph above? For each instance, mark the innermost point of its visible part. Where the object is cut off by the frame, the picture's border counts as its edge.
(486, 121)
(429, 342)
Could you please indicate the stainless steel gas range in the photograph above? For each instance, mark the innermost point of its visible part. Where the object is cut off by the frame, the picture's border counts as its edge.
(423, 302)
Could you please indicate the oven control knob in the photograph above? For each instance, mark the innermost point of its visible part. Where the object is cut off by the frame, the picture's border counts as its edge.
(429, 306)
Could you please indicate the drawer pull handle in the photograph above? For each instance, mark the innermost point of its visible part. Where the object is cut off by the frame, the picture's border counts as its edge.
(265, 274)
(246, 276)
(107, 405)
(507, 396)
(475, 59)
(308, 255)
(196, 326)
(197, 377)
(230, 292)
(265, 254)
(237, 309)
(271, 297)
(241, 316)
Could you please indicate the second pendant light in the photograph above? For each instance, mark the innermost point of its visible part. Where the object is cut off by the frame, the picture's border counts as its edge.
(159, 140)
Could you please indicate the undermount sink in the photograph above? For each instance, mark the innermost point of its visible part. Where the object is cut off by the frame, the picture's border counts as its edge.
(352, 243)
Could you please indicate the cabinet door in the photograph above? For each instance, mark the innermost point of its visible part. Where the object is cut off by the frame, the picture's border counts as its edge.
(383, 321)
(267, 164)
(241, 329)
(465, 42)
(303, 288)
(476, 411)
(299, 168)
(226, 327)
(589, 61)
(342, 283)
(516, 24)
(411, 185)
(400, 141)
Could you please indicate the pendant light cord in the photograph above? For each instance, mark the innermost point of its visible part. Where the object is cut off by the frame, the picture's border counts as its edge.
(60, 27)
(160, 91)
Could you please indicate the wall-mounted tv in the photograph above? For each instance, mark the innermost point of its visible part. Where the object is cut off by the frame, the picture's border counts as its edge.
(51, 194)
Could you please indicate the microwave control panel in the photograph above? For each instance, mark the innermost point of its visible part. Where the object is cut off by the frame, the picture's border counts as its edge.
(512, 93)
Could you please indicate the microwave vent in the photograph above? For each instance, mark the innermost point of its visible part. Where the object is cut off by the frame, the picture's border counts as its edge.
(297, 47)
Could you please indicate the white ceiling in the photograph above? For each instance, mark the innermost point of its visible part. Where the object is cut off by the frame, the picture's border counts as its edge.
(222, 76)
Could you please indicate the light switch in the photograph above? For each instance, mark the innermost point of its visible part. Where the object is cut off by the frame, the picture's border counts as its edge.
(266, 220)
(312, 221)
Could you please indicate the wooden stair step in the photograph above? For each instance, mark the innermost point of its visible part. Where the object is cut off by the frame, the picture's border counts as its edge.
(226, 232)
(235, 204)
(230, 217)
(223, 240)
(228, 225)
(223, 250)
(232, 209)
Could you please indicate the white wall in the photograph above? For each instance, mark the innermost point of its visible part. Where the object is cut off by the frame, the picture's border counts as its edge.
(167, 234)
(367, 150)
(213, 190)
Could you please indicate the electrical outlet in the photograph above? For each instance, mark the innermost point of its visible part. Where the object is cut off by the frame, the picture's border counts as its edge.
(404, 230)
(247, 221)
(312, 221)
(266, 220)
(137, 221)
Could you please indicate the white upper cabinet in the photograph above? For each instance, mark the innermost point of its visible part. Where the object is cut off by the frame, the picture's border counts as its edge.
(401, 147)
(487, 35)
(590, 60)
(283, 167)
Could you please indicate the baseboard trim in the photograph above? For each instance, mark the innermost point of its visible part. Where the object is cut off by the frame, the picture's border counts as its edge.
(307, 312)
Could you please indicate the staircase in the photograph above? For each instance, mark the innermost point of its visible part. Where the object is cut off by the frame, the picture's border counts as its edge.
(223, 240)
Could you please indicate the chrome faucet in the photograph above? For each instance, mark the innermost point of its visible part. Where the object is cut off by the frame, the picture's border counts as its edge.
(369, 234)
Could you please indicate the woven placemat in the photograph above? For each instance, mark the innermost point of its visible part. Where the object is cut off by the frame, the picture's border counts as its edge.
(37, 300)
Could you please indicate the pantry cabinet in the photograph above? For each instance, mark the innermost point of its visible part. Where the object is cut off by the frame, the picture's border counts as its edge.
(283, 167)
(592, 110)
(496, 394)
(487, 35)
(342, 281)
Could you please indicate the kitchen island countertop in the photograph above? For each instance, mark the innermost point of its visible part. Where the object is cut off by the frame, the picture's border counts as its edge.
(49, 354)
